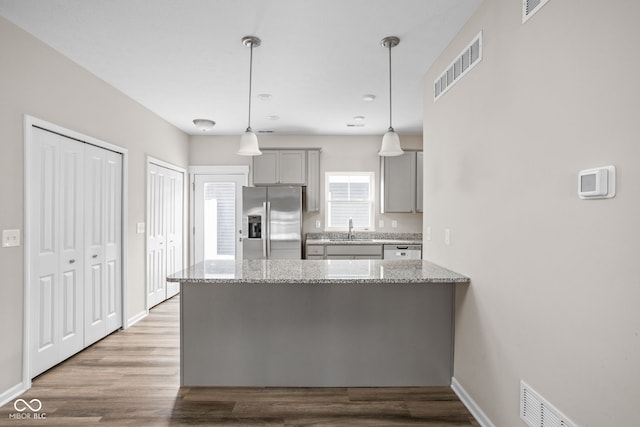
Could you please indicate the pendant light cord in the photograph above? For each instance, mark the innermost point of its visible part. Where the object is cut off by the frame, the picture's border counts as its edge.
(390, 104)
(250, 75)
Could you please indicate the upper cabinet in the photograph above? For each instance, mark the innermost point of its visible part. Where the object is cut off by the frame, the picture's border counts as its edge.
(280, 167)
(291, 167)
(401, 183)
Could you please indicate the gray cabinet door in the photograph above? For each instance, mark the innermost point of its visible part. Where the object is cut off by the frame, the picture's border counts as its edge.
(398, 176)
(280, 167)
(265, 168)
(292, 167)
(313, 181)
(419, 177)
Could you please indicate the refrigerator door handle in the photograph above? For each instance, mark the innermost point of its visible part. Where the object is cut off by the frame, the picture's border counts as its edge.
(265, 229)
(268, 241)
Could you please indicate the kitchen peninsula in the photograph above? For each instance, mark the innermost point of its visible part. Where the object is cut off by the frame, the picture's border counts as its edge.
(324, 323)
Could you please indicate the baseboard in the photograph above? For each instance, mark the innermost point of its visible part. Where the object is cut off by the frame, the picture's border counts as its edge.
(471, 404)
(12, 393)
(135, 319)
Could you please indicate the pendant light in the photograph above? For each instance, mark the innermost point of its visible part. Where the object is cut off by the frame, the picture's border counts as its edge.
(390, 140)
(249, 140)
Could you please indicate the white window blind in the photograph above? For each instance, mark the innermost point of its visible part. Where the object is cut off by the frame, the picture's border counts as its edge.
(349, 195)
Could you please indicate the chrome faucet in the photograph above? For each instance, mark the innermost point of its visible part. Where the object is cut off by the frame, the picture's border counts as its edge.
(350, 235)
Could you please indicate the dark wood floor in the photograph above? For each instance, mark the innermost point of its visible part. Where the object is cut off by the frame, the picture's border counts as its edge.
(131, 378)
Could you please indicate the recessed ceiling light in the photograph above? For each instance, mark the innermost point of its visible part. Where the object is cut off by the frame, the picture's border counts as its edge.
(265, 97)
(358, 118)
(368, 98)
(273, 117)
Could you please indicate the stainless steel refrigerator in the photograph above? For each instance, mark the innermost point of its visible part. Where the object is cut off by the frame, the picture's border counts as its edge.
(272, 222)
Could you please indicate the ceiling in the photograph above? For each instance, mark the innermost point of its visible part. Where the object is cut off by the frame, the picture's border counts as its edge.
(184, 59)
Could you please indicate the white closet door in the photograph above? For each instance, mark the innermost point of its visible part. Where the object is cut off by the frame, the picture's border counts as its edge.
(113, 241)
(71, 246)
(103, 195)
(56, 245)
(175, 225)
(156, 235)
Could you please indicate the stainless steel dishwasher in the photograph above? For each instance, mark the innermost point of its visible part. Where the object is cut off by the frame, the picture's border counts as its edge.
(402, 251)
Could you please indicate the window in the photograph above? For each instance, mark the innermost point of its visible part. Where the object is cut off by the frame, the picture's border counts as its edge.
(349, 195)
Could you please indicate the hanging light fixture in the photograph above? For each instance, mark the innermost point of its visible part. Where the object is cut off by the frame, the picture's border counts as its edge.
(390, 140)
(249, 140)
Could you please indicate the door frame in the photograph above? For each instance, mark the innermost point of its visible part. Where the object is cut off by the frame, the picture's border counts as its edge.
(153, 160)
(29, 122)
(242, 170)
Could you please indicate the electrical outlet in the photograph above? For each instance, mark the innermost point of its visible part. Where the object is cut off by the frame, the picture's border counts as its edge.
(428, 234)
(447, 236)
(10, 238)
(394, 224)
(381, 223)
(317, 223)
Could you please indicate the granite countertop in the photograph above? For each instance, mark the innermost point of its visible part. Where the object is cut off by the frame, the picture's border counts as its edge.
(317, 272)
(364, 238)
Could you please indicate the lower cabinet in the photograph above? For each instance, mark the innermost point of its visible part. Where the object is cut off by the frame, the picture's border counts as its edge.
(344, 251)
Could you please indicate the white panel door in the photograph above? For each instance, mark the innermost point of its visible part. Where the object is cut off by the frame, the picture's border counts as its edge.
(113, 241)
(156, 235)
(55, 231)
(102, 232)
(71, 246)
(95, 319)
(175, 227)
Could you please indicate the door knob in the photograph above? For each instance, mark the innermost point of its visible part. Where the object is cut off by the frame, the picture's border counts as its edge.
(94, 256)
(71, 261)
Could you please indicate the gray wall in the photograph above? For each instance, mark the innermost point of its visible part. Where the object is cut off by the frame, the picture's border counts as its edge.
(339, 153)
(38, 81)
(555, 286)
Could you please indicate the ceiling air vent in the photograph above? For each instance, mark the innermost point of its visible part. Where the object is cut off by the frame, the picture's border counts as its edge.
(529, 7)
(468, 58)
(537, 412)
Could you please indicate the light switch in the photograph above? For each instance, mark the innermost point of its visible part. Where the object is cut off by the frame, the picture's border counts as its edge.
(394, 224)
(428, 234)
(447, 236)
(10, 238)
(317, 223)
(381, 223)
(140, 228)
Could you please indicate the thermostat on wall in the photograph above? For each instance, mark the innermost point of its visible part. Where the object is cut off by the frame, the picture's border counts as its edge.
(598, 183)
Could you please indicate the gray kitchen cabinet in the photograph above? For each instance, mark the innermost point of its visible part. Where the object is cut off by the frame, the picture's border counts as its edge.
(280, 167)
(313, 181)
(400, 184)
(419, 175)
(354, 251)
(265, 168)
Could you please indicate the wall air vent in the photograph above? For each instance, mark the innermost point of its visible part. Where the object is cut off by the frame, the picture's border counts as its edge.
(529, 7)
(537, 412)
(468, 58)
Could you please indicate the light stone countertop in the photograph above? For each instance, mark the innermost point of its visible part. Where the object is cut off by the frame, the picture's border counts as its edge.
(358, 241)
(317, 272)
(364, 238)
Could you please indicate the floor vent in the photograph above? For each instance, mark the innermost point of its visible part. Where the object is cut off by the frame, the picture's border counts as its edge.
(530, 7)
(469, 58)
(537, 412)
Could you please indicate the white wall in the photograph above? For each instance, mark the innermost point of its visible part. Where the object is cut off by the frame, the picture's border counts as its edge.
(37, 81)
(555, 286)
(339, 153)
